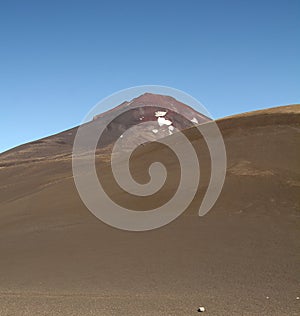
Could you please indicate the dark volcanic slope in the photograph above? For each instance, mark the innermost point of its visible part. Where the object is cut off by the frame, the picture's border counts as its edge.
(60, 145)
(57, 258)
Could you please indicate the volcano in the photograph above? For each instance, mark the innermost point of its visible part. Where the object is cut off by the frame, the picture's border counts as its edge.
(165, 114)
(242, 258)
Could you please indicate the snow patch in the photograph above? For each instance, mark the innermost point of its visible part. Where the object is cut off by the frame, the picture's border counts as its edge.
(155, 131)
(162, 121)
(194, 120)
(160, 113)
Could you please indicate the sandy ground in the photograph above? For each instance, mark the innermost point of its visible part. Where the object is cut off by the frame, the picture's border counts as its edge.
(242, 258)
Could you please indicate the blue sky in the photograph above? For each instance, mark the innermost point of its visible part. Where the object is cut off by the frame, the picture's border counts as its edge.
(59, 58)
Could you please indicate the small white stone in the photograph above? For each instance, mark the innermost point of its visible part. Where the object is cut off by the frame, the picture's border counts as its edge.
(155, 131)
(267, 297)
(171, 128)
(297, 298)
(194, 120)
(121, 136)
(201, 309)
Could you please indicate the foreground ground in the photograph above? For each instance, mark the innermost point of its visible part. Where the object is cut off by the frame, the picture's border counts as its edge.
(242, 258)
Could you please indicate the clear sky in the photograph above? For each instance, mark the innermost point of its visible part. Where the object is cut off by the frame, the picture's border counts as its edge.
(59, 58)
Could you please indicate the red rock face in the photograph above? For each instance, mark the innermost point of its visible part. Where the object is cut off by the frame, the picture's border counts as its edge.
(164, 114)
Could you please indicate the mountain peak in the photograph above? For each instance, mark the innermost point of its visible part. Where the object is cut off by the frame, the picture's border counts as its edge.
(159, 101)
(164, 116)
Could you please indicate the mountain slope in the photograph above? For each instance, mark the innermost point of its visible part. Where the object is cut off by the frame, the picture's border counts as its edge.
(56, 256)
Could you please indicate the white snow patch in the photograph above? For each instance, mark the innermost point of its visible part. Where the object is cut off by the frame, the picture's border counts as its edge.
(171, 128)
(162, 121)
(194, 120)
(141, 118)
(155, 131)
(160, 113)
